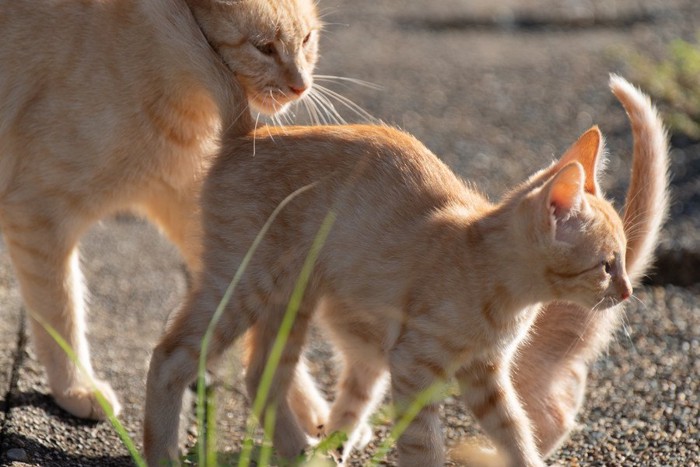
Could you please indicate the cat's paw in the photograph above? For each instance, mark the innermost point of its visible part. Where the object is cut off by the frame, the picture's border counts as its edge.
(82, 402)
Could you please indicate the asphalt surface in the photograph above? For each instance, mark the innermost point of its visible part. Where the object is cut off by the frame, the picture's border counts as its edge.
(497, 89)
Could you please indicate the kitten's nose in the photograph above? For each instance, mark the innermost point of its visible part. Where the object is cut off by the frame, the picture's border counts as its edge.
(298, 90)
(626, 289)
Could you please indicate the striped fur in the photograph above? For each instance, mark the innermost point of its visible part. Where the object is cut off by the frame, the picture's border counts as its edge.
(111, 105)
(421, 277)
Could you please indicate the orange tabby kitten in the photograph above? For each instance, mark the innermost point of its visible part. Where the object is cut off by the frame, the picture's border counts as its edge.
(107, 105)
(551, 366)
(420, 275)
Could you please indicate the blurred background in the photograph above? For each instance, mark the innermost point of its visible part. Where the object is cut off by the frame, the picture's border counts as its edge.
(497, 89)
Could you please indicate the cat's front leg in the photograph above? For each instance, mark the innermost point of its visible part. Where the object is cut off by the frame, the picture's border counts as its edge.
(46, 262)
(487, 390)
(412, 378)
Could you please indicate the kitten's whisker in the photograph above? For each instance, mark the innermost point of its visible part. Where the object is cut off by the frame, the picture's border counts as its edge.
(626, 330)
(255, 129)
(359, 82)
(592, 313)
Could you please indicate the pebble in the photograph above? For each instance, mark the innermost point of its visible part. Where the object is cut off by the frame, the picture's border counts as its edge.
(16, 454)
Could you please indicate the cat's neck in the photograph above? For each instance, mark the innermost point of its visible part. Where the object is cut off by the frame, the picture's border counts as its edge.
(190, 66)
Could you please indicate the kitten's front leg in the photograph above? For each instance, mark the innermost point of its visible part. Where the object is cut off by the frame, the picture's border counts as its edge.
(487, 390)
(422, 443)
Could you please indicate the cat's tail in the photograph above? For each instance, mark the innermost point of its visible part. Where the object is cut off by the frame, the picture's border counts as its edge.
(647, 200)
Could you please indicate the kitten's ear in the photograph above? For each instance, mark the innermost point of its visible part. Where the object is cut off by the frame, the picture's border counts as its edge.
(563, 197)
(587, 151)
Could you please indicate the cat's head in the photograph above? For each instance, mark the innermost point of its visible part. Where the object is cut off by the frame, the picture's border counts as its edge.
(578, 235)
(271, 46)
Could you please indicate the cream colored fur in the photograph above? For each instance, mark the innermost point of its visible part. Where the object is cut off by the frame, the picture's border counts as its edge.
(112, 105)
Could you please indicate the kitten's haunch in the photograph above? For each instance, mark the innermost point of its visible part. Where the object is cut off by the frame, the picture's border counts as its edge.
(420, 277)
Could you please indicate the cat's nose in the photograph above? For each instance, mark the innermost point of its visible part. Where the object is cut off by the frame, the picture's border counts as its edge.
(298, 90)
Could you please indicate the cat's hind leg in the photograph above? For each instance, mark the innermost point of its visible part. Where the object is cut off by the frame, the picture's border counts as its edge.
(46, 261)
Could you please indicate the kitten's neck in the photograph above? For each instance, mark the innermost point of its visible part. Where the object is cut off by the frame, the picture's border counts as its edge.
(496, 257)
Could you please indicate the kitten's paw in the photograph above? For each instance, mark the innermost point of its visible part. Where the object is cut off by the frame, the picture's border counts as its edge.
(313, 421)
(82, 401)
(473, 454)
(364, 435)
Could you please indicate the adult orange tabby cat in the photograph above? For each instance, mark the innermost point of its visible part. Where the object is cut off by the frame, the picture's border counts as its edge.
(107, 105)
(420, 276)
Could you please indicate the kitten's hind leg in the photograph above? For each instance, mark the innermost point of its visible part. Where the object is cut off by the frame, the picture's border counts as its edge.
(47, 265)
(174, 365)
(307, 402)
(289, 439)
(360, 388)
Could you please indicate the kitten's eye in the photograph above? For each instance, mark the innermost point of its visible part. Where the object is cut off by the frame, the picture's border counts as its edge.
(607, 267)
(306, 39)
(267, 48)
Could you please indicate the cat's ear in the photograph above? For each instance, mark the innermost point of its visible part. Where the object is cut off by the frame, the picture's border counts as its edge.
(562, 198)
(588, 151)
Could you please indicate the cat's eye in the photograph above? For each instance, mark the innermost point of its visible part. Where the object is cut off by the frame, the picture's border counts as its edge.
(307, 38)
(607, 267)
(267, 48)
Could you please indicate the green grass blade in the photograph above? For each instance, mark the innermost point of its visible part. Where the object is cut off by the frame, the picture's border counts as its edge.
(206, 340)
(285, 329)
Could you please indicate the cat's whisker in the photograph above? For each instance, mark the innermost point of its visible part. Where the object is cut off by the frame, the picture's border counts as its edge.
(313, 112)
(320, 110)
(359, 82)
(349, 104)
(309, 112)
(327, 106)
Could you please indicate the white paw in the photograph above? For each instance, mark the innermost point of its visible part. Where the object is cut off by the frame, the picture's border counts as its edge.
(83, 403)
(476, 455)
(364, 435)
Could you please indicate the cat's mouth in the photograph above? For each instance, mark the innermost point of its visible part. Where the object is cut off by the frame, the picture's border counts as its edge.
(270, 102)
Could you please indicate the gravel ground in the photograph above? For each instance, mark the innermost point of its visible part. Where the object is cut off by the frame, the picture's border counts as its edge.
(495, 88)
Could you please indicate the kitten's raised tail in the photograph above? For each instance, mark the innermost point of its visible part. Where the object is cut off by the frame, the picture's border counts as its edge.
(646, 204)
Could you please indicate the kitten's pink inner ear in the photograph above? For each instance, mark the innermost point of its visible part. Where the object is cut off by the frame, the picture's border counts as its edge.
(566, 191)
(586, 151)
